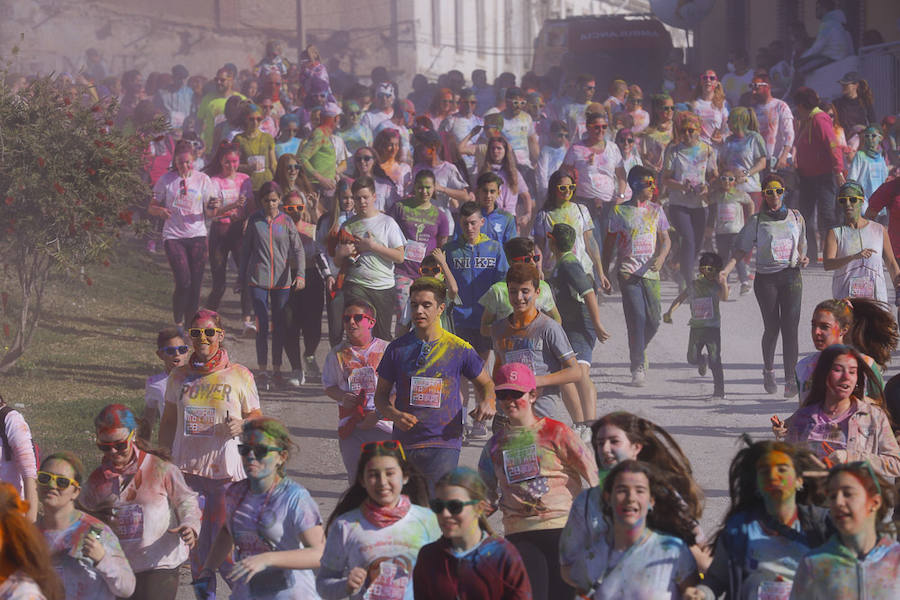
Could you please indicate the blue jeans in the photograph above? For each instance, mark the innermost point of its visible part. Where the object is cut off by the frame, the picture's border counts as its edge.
(690, 223)
(260, 298)
(725, 243)
(600, 216)
(433, 463)
(640, 300)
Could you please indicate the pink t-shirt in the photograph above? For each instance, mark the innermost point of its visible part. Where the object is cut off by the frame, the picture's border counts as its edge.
(21, 465)
(596, 170)
(229, 190)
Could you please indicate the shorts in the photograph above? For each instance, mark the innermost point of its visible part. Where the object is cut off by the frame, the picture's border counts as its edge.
(582, 337)
(481, 343)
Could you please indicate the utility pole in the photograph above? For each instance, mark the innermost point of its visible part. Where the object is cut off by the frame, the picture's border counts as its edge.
(301, 35)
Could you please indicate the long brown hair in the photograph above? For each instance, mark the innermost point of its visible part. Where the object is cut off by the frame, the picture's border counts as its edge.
(23, 545)
(508, 166)
(823, 366)
(281, 175)
(871, 327)
(657, 448)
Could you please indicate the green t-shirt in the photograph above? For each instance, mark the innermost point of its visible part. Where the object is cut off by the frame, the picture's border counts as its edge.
(570, 285)
(703, 296)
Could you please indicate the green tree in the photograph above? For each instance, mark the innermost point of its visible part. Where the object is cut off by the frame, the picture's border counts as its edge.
(68, 182)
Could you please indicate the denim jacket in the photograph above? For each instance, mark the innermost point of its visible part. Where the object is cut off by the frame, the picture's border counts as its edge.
(869, 435)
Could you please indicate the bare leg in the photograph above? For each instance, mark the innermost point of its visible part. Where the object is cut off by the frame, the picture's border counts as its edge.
(571, 400)
(587, 394)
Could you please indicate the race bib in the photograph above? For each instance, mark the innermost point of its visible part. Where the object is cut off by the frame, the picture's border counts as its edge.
(727, 213)
(425, 392)
(257, 162)
(702, 308)
(526, 357)
(130, 522)
(642, 245)
(782, 248)
(388, 580)
(363, 378)
(862, 287)
(414, 251)
(521, 464)
(774, 590)
(199, 420)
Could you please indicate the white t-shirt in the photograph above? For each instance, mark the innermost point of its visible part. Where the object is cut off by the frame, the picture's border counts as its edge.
(371, 270)
(155, 393)
(185, 199)
(596, 170)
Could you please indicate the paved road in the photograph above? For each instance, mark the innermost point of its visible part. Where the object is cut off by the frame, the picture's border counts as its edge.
(675, 396)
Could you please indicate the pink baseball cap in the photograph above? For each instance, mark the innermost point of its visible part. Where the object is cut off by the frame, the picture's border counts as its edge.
(514, 376)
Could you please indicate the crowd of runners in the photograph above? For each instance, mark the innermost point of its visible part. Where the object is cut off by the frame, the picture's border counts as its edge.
(457, 242)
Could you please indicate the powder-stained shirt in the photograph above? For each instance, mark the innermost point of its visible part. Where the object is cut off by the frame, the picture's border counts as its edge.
(517, 130)
(496, 300)
(272, 522)
(869, 172)
(779, 244)
(203, 446)
(537, 472)
(185, 199)
(355, 542)
(476, 267)
(776, 125)
(422, 226)
(703, 298)
(835, 571)
(573, 214)
(353, 369)
(110, 578)
(229, 190)
(542, 345)
(689, 165)
(150, 496)
(743, 153)
(637, 227)
(729, 207)
(371, 270)
(21, 464)
(256, 152)
(19, 586)
(427, 376)
(596, 169)
(652, 145)
(712, 119)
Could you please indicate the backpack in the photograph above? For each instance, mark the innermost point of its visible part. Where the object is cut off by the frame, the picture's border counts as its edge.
(5, 409)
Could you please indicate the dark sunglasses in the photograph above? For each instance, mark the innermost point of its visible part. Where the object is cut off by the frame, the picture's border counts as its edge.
(509, 394)
(175, 350)
(60, 481)
(365, 158)
(533, 258)
(292, 208)
(195, 332)
(357, 318)
(454, 507)
(293, 167)
(259, 452)
(429, 271)
(629, 140)
(667, 108)
(849, 199)
(120, 446)
(773, 191)
(386, 444)
(709, 78)
(727, 178)
(598, 126)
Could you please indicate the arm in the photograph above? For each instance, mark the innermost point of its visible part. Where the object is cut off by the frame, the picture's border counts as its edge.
(302, 558)
(459, 196)
(370, 244)
(590, 301)
(723, 288)
(593, 250)
(785, 136)
(484, 391)
(553, 313)
(184, 501)
(609, 246)
(385, 406)
(534, 147)
(487, 319)
(526, 201)
(221, 548)
(886, 458)
(831, 261)
(621, 180)
(114, 568)
(465, 147)
(570, 373)
(663, 245)
(889, 260)
(667, 317)
(441, 257)
(167, 426)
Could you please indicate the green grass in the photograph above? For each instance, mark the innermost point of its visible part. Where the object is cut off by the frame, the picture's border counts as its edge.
(94, 346)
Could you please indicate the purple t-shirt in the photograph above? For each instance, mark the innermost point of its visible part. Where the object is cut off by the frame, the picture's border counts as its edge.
(422, 226)
(427, 377)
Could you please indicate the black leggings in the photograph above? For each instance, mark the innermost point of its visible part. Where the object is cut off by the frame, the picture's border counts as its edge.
(540, 555)
(303, 313)
(187, 257)
(779, 295)
(690, 223)
(224, 239)
(711, 339)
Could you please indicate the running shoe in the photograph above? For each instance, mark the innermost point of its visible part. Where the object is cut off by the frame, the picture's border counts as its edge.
(584, 432)
(263, 380)
(701, 365)
(746, 288)
(718, 395)
(478, 431)
(249, 330)
(295, 378)
(769, 381)
(638, 377)
(311, 369)
(790, 388)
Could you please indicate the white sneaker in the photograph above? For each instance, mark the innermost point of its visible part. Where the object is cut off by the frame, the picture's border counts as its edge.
(250, 329)
(295, 378)
(311, 369)
(584, 432)
(638, 378)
